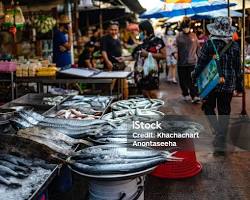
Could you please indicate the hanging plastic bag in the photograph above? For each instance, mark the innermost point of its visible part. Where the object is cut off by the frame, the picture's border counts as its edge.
(150, 65)
(1, 9)
(14, 17)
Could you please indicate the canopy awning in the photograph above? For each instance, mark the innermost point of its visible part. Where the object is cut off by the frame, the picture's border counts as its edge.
(132, 5)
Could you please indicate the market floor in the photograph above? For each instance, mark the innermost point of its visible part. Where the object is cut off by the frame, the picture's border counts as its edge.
(221, 178)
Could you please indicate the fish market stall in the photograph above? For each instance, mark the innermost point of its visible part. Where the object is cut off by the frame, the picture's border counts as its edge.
(112, 167)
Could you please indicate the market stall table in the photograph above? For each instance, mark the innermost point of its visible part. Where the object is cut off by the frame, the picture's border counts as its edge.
(64, 77)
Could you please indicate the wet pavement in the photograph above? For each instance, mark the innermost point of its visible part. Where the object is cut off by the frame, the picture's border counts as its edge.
(226, 178)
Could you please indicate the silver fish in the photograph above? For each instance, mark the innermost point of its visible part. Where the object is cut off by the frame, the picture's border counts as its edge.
(7, 171)
(9, 183)
(15, 160)
(118, 168)
(13, 166)
(122, 151)
(112, 160)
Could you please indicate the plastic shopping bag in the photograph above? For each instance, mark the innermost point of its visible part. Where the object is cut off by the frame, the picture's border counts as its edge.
(150, 65)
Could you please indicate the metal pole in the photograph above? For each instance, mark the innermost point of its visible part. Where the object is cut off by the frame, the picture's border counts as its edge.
(243, 112)
(69, 13)
(228, 8)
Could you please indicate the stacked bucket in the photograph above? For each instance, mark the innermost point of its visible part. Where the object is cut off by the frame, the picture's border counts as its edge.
(186, 168)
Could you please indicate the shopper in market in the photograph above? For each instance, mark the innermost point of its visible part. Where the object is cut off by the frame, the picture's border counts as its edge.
(229, 66)
(86, 59)
(111, 48)
(171, 50)
(187, 47)
(151, 44)
(202, 37)
(62, 41)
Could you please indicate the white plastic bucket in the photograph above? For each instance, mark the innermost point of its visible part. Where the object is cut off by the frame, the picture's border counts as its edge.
(132, 189)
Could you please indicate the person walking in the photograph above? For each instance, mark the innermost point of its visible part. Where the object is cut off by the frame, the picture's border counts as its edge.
(229, 69)
(187, 49)
(151, 44)
(171, 51)
(62, 41)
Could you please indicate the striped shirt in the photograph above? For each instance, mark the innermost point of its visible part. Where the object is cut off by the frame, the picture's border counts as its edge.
(229, 64)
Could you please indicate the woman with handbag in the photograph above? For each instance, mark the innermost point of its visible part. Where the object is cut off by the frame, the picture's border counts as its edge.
(152, 47)
(229, 71)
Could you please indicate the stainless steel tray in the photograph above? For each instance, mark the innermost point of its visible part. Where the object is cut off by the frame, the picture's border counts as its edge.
(114, 177)
(35, 100)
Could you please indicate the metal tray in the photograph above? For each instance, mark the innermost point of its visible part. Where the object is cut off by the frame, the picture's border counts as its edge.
(114, 177)
(35, 100)
(45, 184)
(56, 108)
(36, 108)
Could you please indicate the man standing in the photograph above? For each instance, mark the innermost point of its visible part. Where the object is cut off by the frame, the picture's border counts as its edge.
(111, 48)
(187, 48)
(62, 41)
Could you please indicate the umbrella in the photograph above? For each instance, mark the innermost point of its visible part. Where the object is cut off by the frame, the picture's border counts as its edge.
(187, 9)
(208, 15)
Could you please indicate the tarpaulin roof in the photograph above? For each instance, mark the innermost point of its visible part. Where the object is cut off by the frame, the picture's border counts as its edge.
(133, 5)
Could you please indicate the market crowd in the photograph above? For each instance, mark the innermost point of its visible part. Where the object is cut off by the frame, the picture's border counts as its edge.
(184, 52)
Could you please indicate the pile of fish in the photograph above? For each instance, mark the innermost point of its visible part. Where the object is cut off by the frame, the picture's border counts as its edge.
(18, 167)
(74, 128)
(133, 114)
(141, 103)
(59, 143)
(94, 102)
(117, 159)
(76, 114)
(52, 100)
(122, 134)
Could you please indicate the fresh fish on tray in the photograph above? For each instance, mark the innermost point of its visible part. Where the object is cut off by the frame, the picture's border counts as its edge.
(20, 177)
(14, 166)
(95, 102)
(71, 127)
(52, 100)
(58, 142)
(75, 114)
(117, 159)
(141, 103)
(133, 114)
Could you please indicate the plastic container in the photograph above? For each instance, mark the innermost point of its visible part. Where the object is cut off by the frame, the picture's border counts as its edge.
(25, 70)
(247, 80)
(186, 168)
(8, 66)
(19, 72)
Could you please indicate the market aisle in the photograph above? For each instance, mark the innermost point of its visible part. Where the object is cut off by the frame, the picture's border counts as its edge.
(221, 178)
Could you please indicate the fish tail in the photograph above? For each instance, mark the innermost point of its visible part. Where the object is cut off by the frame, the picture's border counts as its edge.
(169, 156)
